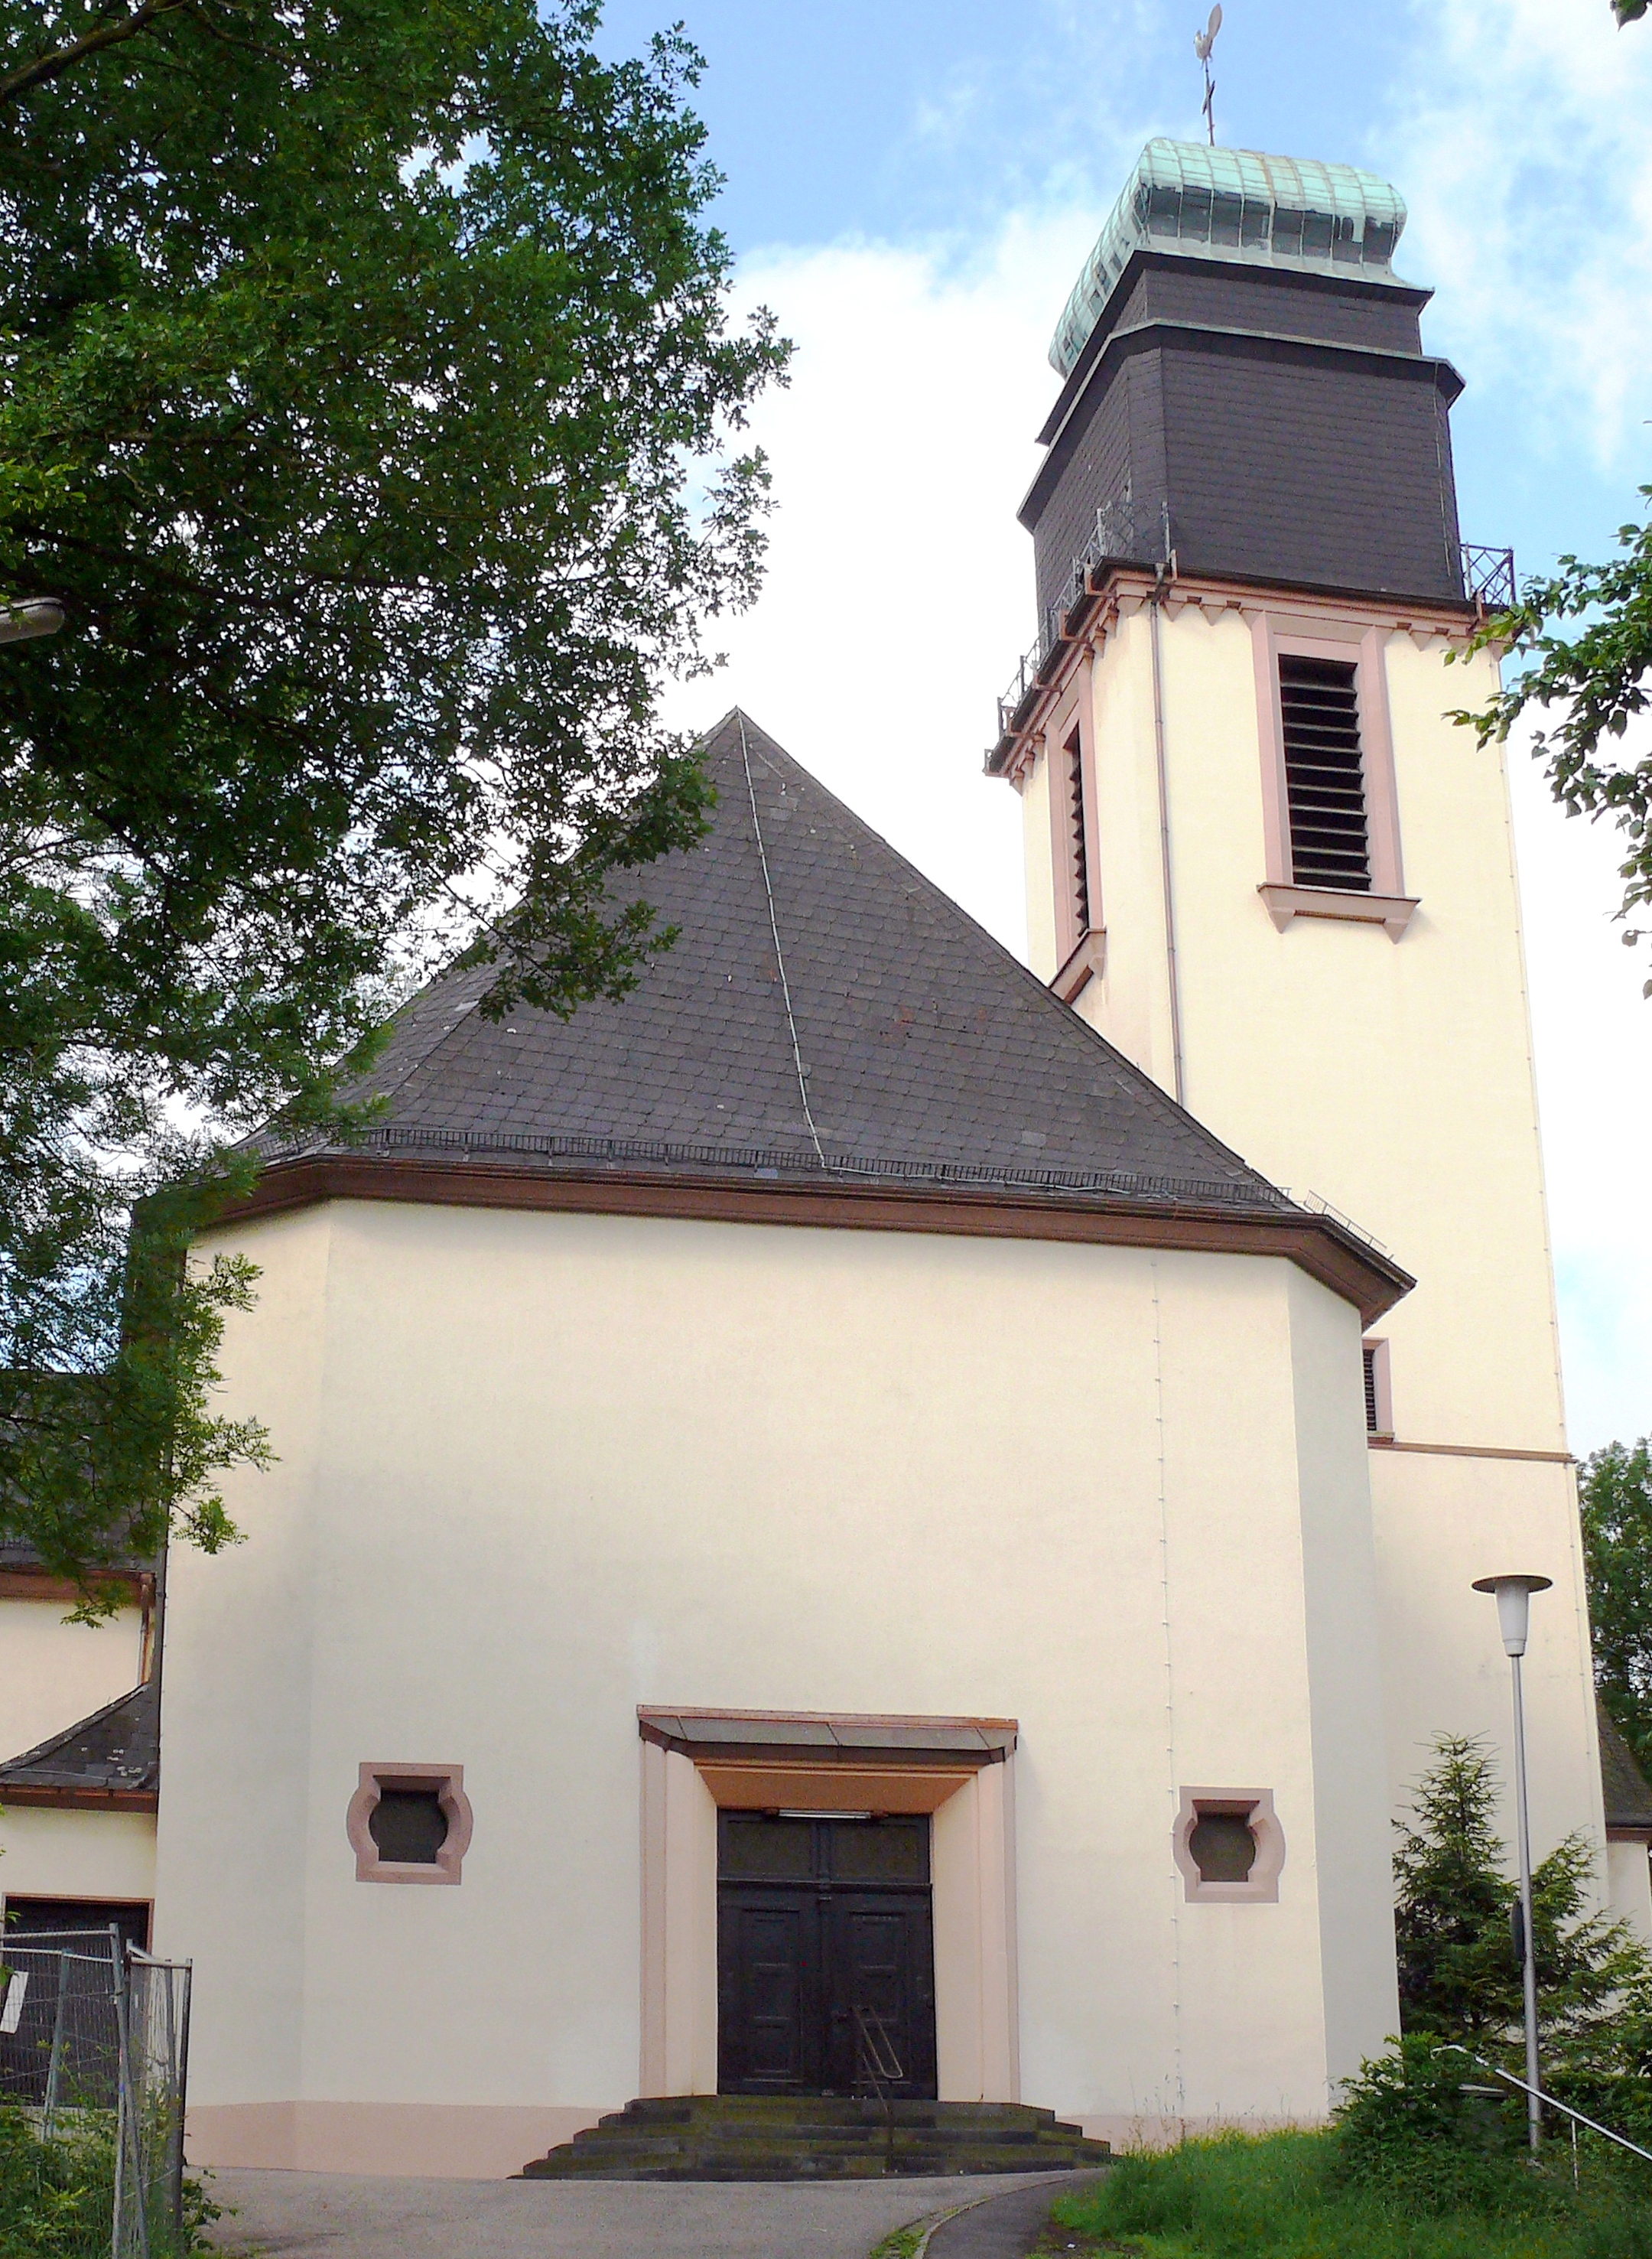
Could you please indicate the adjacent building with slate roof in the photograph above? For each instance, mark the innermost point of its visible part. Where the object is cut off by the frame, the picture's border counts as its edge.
(836, 1530)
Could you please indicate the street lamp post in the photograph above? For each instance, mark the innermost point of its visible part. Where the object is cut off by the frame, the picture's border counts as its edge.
(1513, 1615)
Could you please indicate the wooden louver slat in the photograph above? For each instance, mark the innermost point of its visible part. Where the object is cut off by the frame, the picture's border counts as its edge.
(1324, 772)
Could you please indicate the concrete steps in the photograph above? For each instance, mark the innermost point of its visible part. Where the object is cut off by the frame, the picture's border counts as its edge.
(739, 2137)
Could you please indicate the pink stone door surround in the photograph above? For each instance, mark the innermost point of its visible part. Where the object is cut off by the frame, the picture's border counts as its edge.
(959, 1770)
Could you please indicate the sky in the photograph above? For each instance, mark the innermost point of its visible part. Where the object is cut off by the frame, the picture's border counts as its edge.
(912, 188)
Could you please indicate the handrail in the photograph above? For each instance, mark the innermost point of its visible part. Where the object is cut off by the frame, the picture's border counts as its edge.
(880, 2064)
(1488, 581)
(1549, 2101)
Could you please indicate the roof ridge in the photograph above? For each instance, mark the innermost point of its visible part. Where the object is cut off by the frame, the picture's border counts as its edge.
(1046, 1000)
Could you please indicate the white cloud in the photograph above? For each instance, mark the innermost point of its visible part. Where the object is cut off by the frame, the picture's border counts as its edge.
(1523, 143)
(899, 594)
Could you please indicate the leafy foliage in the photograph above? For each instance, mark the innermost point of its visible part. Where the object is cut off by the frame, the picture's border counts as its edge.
(1423, 2123)
(55, 2197)
(1601, 678)
(366, 389)
(1614, 1495)
(1291, 2195)
(1459, 1978)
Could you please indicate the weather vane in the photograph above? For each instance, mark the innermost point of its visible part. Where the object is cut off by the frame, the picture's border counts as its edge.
(1203, 42)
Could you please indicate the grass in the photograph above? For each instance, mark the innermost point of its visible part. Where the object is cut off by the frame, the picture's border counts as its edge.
(901, 2244)
(1289, 2196)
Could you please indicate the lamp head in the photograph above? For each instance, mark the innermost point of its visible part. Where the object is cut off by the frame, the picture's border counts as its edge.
(34, 616)
(1513, 1605)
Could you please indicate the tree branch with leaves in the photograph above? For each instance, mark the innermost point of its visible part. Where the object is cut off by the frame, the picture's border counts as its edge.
(1601, 681)
(370, 404)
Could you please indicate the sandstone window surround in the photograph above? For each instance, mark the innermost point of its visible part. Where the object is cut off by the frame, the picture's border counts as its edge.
(1277, 635)
(1254, 1809)
(1074, 844)
(447, 1784)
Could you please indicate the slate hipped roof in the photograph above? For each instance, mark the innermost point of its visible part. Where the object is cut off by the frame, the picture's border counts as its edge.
(810, 957)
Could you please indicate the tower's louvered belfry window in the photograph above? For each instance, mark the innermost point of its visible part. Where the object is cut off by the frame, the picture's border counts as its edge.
(1373, 1417)
(1324, 773)
(1078, 852)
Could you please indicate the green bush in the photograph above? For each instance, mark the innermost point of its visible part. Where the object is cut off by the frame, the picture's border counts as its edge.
(1425, 2129)
(54, 2194)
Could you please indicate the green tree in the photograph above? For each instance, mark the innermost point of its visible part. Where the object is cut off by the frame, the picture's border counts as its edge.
(1614, 1496)
(1600, 678)
(1459, 1978)
(366, 399)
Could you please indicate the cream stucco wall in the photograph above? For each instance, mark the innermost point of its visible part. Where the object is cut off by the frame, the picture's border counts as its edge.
(53, 1673)
(536, 1469)
(1393, 1079)
(1631, 1892)
(76, 1855)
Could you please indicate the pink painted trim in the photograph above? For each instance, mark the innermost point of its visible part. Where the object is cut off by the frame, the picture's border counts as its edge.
(449, 1782)
(1086, 963)
(1093, 921)
(460, 2140)
(1071, 735)
(1393, 912)
(1377, 742)
(1070, 919)
(1253, 1804)
(1127, 590)
(1276, 817)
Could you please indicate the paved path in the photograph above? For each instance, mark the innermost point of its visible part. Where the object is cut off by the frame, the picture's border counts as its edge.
(338, 2216)
(1008, 2226)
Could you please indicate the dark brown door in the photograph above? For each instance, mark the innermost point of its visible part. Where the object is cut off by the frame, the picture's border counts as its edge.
(820, 1924)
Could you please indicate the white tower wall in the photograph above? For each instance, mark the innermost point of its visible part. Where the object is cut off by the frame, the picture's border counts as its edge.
(1385, 1069)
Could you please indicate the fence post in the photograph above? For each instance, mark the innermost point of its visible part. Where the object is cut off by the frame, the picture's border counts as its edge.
(55, 2066)
(178, 2054)
(117, 2209)
(127, 2115)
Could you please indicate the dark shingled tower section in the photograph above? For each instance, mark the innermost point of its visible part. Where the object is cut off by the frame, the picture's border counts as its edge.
(1290, 424)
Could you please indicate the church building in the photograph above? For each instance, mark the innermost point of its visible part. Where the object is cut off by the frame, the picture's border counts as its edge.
(873, 1517)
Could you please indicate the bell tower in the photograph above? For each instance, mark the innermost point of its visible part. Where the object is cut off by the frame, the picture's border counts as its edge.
(1263, 861)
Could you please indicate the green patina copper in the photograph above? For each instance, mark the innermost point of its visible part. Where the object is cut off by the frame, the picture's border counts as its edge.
(1290, 212)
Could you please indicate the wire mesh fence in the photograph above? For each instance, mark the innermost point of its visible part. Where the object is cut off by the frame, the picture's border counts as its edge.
(94, 2049)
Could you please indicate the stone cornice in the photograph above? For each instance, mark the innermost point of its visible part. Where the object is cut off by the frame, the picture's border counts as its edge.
(1116, 592)
(1318, 1245)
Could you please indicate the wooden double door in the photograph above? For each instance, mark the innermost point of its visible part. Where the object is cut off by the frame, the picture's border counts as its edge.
(825, 1949)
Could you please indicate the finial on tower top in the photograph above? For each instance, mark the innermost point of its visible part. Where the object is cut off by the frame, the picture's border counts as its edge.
(1203, 42)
